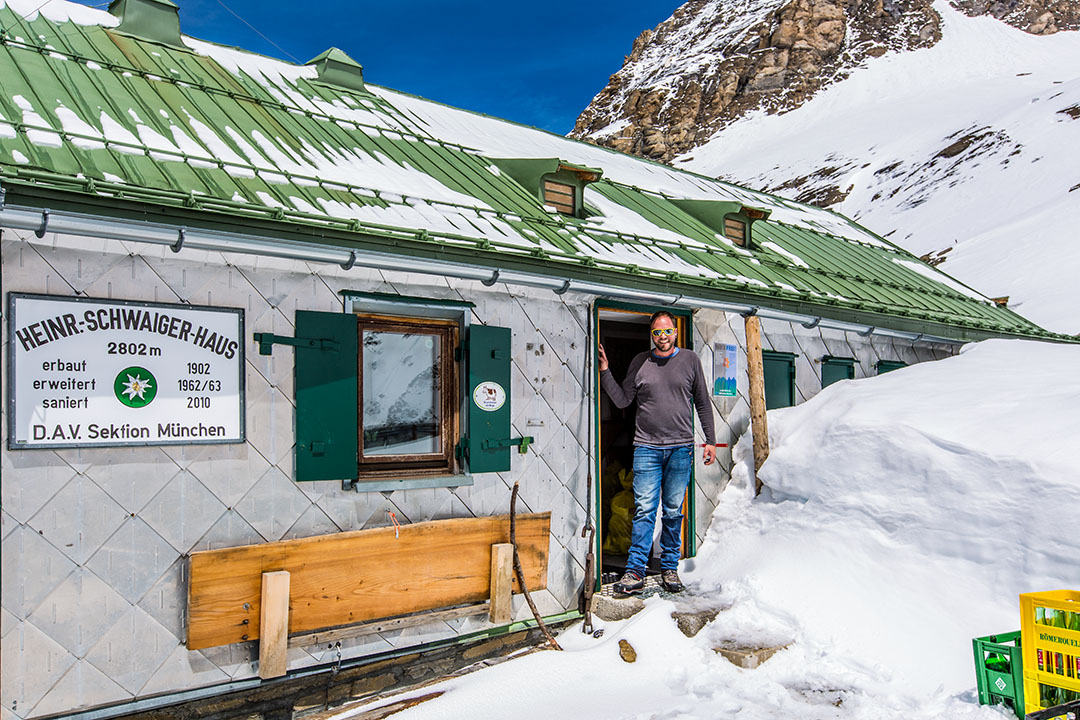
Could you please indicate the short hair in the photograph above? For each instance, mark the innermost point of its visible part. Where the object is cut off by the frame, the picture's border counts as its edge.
(662, 314)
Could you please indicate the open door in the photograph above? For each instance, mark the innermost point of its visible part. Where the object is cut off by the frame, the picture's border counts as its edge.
(624, 332)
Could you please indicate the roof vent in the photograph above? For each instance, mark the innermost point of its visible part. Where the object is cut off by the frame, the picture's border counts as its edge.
(337, 68)
(732, 219)
(154, 20)
(556, 183)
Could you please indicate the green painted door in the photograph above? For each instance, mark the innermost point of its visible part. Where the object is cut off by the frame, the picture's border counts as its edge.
(779, 379)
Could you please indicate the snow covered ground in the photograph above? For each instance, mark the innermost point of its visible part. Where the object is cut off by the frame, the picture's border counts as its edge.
(970, 144)
(903, 515)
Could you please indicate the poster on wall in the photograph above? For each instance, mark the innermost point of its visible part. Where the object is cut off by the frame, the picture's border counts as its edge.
(724, 370)
(84, 372)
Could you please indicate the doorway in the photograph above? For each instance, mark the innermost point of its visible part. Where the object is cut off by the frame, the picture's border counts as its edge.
(624, 332)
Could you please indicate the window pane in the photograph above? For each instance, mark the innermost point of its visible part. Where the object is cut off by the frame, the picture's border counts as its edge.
(401, 393)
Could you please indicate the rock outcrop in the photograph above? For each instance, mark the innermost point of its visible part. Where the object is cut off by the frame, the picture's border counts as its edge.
(715, 60)
(1038, 17)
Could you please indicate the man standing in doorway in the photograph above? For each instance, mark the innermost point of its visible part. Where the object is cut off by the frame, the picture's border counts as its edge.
(665, 383)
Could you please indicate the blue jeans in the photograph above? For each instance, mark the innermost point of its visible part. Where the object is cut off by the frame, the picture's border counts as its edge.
(658, 473)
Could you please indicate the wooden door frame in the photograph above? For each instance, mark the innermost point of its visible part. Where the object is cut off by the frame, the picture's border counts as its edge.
(685, 325)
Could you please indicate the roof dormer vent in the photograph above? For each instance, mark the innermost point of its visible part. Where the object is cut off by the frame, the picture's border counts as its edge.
(154, 20)
(337, 68)
(726, 217)
(558, 184)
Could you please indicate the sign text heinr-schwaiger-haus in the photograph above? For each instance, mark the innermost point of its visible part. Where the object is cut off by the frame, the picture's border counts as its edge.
(89, 372)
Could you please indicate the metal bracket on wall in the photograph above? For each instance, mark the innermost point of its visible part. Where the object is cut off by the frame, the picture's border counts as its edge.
(268, 340)
(522, 444)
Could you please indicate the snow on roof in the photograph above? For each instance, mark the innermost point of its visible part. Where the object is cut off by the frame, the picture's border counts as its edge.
(59, 11)
(495, 137)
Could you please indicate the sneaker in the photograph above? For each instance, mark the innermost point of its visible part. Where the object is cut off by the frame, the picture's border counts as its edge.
(671, 582)
(631, 583)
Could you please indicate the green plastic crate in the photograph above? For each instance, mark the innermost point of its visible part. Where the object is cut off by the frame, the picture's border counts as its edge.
(999, 670)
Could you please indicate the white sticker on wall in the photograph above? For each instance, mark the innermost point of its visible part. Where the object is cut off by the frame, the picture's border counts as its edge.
(489, 396)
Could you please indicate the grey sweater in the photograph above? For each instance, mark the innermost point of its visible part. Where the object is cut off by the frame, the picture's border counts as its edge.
(664, 389)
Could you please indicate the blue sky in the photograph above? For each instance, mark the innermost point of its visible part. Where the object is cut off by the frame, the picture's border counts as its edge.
(534, 63)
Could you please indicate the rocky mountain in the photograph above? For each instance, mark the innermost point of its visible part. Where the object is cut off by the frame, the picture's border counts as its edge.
(714, 61)
(952, 128)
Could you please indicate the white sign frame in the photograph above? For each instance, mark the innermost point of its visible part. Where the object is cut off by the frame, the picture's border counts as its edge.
(201, 333)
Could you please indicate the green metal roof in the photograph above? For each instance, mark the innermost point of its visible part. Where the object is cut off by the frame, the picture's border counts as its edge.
(103, 121)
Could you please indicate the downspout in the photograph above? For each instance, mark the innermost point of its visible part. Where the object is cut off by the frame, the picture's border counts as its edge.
(589, 529)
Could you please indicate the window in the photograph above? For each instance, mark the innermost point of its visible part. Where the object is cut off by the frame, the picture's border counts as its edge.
(735, 230)
(399, 393)
(834, 369)
(560, 196)
(779, 379)
(408, 400)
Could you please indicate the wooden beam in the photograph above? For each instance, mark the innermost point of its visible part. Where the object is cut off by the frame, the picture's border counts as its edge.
(759, 424)
(348, 578)
(502, 582)
(274, 624)
(329, 637)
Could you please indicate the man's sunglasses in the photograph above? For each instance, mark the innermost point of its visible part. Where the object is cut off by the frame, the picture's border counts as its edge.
(663, 332)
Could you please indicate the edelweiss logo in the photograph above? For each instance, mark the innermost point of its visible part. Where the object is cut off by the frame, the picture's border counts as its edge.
(135, 387)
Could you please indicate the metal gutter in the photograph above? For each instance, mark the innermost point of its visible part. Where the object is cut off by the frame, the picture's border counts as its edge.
(42, 221)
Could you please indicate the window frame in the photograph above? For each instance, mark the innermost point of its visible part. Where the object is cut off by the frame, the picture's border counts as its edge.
(445, 462)
(774, 356)
(886, 366)
(836, 362)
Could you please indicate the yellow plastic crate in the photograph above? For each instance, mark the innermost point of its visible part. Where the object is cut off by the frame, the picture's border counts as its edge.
(1050, 639)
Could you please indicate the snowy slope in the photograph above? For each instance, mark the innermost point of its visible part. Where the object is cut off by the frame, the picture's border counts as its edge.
(971, 144)
(902, 516)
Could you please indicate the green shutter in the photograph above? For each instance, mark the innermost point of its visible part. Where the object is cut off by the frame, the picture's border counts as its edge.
(779, 379)
(326, 395)
(487, 447)
(836, 369)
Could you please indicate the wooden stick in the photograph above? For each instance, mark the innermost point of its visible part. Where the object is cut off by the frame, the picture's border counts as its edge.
(274, 625)
(502, 582)
(759, 424)
(521, 574)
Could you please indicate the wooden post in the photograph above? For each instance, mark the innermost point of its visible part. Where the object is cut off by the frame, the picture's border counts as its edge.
(502, 573)
(755, 367)
(274, 624)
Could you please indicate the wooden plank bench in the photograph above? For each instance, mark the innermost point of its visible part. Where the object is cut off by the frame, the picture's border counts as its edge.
(355, 577)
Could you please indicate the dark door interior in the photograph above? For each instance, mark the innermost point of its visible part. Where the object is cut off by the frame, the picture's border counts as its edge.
(623, 335)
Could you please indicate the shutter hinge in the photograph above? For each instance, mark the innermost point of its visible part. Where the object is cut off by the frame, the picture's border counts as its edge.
(521, 442)
(268, 340)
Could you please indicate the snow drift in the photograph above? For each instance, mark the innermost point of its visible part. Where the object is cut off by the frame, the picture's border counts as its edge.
(903, 514)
